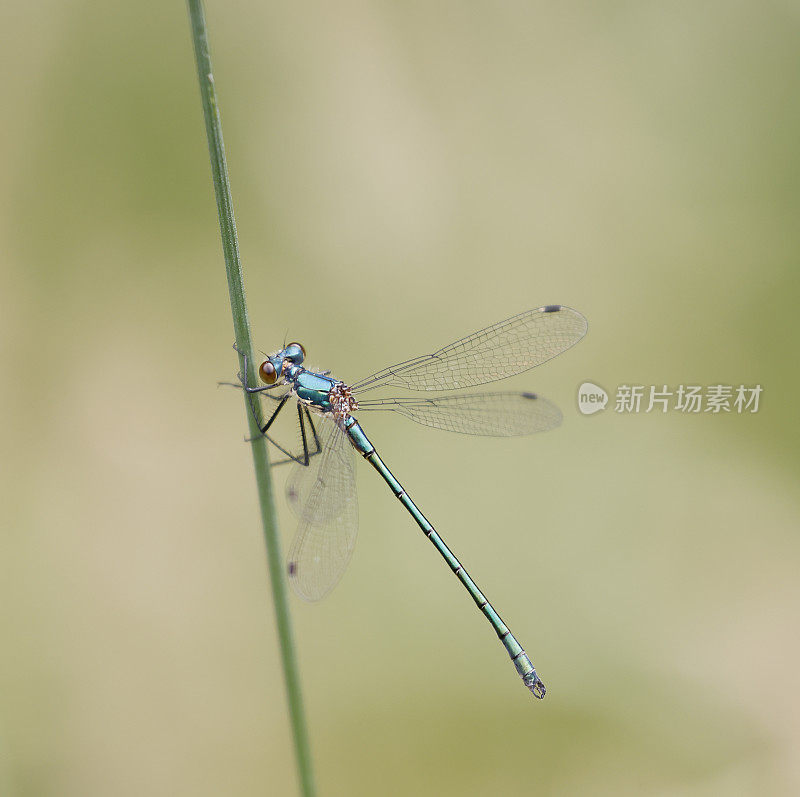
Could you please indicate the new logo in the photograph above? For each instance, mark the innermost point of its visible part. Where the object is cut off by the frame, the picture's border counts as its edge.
(591, 398)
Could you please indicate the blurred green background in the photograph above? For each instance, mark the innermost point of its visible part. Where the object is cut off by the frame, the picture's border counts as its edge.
(403, 174)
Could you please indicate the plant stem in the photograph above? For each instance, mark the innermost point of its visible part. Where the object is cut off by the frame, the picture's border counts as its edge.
(241, 324)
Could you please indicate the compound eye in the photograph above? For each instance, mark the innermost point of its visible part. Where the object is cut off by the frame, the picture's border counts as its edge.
(295, 352)
(268, 373)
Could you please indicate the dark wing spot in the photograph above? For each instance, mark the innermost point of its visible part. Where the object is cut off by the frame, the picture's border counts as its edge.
(551, 308)
(292, 568)
(529, 395)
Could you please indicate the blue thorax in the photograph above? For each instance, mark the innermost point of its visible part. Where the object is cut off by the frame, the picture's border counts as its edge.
(311, 387)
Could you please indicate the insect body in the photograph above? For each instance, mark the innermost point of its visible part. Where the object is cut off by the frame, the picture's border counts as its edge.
(321, 487)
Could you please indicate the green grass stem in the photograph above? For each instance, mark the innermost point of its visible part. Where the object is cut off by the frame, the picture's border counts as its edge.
(241, 324)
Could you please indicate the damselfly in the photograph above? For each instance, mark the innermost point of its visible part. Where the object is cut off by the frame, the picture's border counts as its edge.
(321, 487)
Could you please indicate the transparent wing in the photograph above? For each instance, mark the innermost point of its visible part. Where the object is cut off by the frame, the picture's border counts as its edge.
(326, 534)
(491, 414)
(304, 479)
(499, 351)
